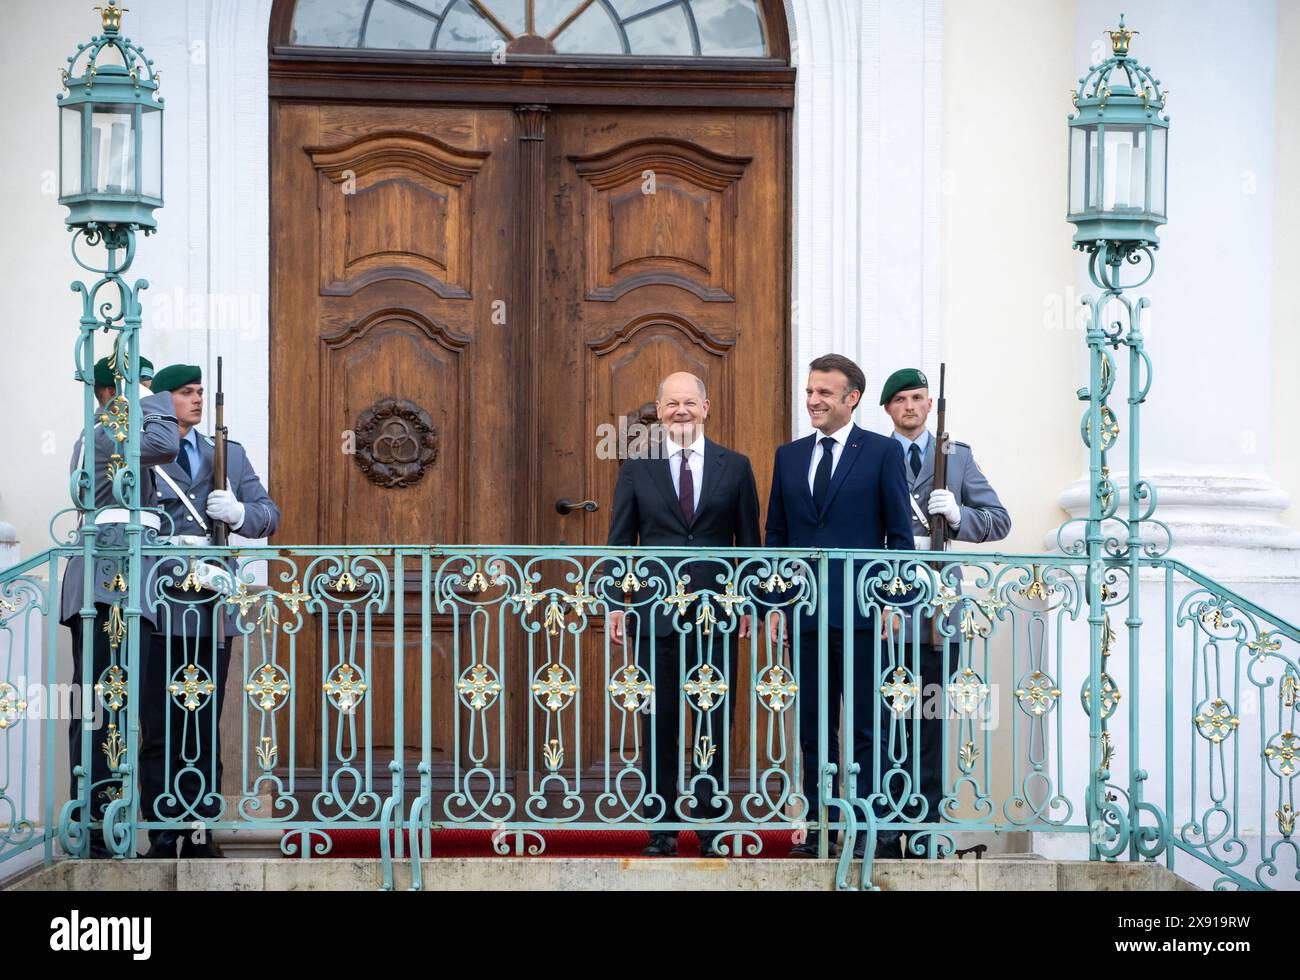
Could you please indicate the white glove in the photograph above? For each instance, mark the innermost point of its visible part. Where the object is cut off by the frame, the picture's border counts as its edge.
(223, 506)
(943, 502)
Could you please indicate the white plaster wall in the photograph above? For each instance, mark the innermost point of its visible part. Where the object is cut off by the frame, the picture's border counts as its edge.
(1284, 457)
(1007, 273)
(866, 210)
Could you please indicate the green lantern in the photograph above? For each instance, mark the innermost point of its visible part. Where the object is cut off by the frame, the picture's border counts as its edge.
(110, 133)
(1118, 153)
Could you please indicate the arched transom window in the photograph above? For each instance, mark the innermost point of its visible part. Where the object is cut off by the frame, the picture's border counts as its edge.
(648, 28)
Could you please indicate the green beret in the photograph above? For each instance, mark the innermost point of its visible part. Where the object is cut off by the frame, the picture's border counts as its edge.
(903, 379)
(104, 374)
(177, 376)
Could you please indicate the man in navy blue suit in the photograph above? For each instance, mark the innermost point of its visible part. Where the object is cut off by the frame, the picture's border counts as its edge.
(841, 487)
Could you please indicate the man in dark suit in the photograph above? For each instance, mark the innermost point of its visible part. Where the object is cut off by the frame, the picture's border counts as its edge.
(841, 487)
(694, 493)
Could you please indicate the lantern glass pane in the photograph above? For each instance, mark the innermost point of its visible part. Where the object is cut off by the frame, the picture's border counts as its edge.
(112, 150)
(1158, 137)
(70, 151)
(1125, 175)
(1078, 165)
(1094, 171)
(151, 153)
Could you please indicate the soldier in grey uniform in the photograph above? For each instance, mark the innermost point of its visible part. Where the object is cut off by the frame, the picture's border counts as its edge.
(973, 512)
(185, 491)
(158, 445)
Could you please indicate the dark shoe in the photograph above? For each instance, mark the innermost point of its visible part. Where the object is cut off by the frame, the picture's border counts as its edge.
(661, 845)
(808, 849)
(706, 846)
(162, 848)
(208, 849)
(887, 847)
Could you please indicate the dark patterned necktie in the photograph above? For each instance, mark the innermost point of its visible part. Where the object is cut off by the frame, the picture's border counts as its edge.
(822, 478)
(686, 489)
(914, 454)
(184, 459)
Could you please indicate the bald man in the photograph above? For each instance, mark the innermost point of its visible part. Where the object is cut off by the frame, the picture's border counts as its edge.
(692, 493)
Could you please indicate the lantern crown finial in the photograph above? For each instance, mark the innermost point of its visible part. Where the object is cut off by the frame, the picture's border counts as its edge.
(1120, 38)
(112, 16)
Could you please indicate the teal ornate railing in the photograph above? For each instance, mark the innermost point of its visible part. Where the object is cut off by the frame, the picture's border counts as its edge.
(408, 690)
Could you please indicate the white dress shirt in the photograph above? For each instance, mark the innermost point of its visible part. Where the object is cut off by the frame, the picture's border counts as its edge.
(841, 436)
(696, 463)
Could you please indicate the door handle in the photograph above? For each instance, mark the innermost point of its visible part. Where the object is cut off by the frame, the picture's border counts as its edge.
(566, 506)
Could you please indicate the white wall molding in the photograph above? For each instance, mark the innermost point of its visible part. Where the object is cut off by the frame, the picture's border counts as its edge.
(238, 239)
(868, 101)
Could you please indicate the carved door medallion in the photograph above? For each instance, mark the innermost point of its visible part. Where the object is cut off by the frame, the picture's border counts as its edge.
(396, 442)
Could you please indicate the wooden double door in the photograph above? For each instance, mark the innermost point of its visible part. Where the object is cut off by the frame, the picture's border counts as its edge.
(465, 302)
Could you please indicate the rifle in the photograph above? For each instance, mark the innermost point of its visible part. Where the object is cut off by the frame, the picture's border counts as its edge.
(939, 524)
(220, 532)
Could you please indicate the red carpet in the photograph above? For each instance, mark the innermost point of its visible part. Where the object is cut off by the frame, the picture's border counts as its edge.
(559, 843)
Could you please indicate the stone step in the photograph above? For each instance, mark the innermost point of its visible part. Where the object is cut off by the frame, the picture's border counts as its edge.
(593, 874)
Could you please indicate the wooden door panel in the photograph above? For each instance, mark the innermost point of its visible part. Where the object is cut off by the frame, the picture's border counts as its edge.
(392, 285)
(659, 211)
(396, 205)
(398, 383)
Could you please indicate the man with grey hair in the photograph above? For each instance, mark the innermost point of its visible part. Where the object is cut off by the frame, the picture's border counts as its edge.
(694, 494)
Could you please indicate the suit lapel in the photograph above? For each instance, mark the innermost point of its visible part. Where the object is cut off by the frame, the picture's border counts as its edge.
(662, 475)
(715, 463)
(803, 458)
(848, 456)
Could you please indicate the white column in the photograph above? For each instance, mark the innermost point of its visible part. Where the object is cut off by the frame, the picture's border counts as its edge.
(1206, 428)
(866, 179)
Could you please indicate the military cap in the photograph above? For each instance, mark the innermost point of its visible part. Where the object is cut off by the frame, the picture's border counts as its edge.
(104, 374)
(901, 380)
(177, 376)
